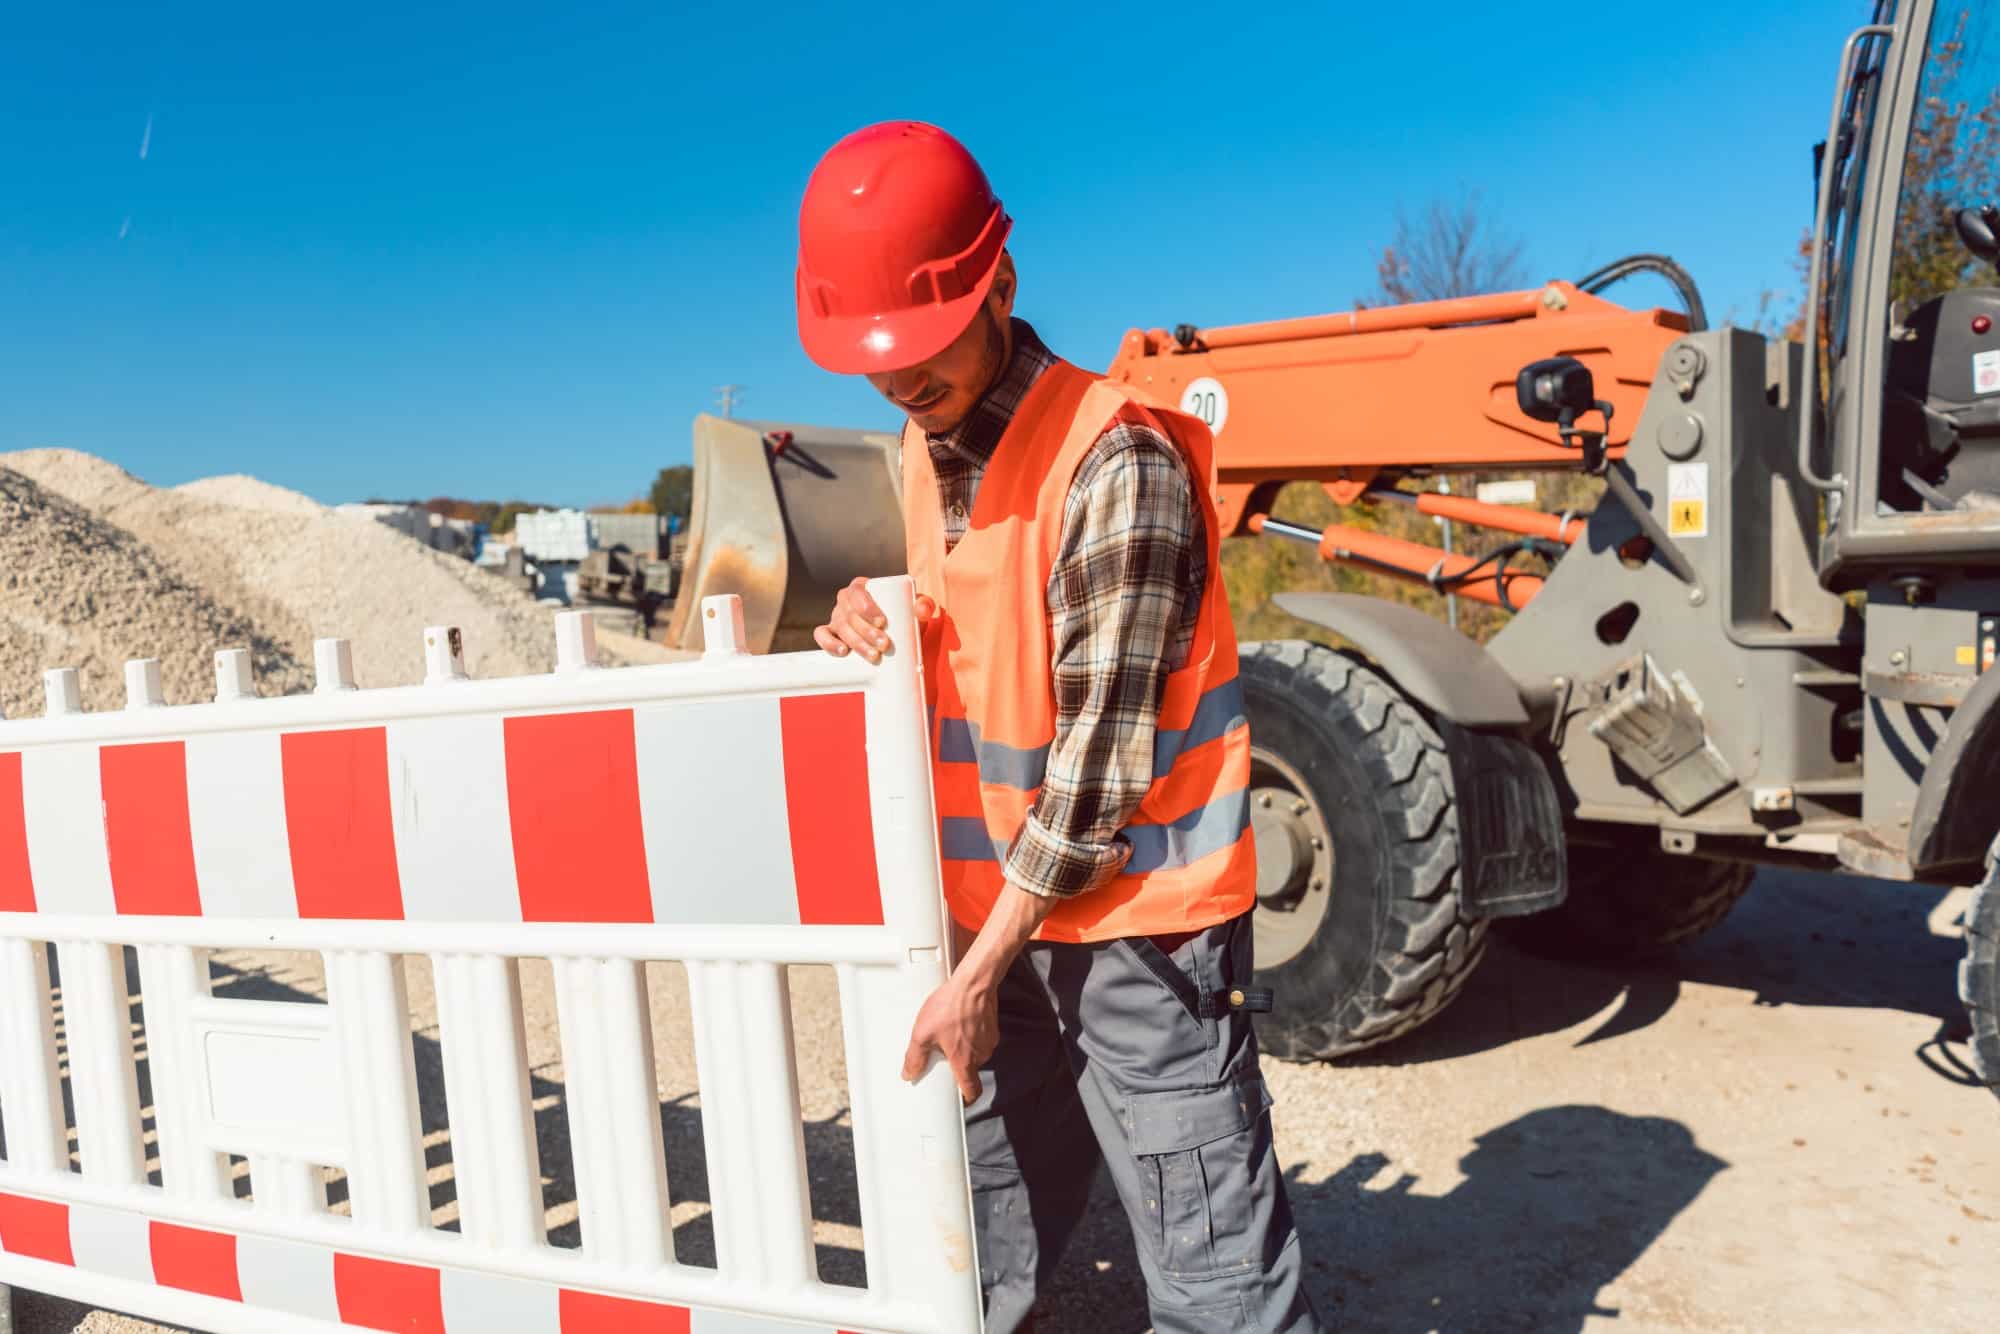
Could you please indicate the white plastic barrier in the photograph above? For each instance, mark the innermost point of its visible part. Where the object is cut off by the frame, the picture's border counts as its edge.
(736, 814)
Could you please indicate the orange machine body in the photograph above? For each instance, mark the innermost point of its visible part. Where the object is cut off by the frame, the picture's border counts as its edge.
(1429, 387)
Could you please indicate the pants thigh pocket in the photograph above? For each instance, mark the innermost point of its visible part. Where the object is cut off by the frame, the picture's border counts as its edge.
(1200, 1151)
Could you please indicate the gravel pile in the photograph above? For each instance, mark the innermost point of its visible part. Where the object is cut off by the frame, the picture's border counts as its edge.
(100, 567)
(251, 493)
(76, 591)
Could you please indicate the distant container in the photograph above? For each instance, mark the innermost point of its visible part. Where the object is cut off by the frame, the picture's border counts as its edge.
(638, 533)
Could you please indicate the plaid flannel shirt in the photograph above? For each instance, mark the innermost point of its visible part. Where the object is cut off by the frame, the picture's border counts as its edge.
(1123, 599)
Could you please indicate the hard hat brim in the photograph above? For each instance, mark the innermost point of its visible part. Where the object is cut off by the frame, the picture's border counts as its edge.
(897, 340)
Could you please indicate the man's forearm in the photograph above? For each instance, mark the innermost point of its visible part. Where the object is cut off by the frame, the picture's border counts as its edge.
(1009, 927)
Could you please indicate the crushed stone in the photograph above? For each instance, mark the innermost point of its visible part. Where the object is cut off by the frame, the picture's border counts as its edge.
(101, 567)
(76, 591)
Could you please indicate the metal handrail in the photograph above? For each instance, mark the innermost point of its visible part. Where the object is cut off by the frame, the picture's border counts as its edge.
(1816, 273)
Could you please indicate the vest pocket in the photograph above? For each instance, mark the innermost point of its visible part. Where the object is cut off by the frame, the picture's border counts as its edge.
(1199, 1152)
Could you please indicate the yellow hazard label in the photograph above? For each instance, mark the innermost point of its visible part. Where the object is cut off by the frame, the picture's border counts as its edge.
(1967, 655)
(1687, 518)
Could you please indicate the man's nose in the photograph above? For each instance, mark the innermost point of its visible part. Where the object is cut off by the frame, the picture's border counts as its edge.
(911, 383)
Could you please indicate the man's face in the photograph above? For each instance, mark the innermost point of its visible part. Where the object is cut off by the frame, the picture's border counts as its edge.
(938, 394)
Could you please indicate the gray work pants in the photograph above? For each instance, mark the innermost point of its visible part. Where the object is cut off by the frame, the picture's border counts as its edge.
(1110, 1050)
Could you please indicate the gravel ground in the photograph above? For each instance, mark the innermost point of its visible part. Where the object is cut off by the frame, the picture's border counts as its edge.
(1773, 1131)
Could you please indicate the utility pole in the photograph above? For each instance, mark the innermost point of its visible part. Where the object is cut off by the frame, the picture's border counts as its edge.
(726, 396)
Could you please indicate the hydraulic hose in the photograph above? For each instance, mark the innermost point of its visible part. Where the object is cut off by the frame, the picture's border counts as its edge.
(1682, 282)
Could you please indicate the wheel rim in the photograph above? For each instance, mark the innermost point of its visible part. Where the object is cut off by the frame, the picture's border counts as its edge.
(1294, 859)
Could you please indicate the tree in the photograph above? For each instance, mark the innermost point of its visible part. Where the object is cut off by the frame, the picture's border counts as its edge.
(1453, 250)
(503, 521)
(673, 490)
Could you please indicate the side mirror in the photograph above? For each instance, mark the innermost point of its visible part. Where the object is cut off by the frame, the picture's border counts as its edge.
(1979, 228)
(1555, 389)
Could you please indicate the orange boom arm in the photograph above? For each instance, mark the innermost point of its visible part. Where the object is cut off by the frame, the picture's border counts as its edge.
(1341, 399)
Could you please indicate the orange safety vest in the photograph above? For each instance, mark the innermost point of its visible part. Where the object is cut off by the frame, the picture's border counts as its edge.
(989, 681)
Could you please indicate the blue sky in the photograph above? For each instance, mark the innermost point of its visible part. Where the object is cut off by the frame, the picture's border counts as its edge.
(499, 250)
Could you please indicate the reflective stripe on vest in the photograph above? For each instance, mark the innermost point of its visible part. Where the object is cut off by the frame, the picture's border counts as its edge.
(1219, 713)
(1155, 847)
(991, 691)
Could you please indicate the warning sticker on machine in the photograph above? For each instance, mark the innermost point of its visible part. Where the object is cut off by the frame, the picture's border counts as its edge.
(1687, 499)
(1986, 371)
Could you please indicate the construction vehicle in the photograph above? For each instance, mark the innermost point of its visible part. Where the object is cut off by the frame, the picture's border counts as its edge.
(643, 580)
(783, 517)
(1768, 644)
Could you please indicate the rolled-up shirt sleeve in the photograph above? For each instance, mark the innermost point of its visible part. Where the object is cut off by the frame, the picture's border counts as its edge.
(1123, 598)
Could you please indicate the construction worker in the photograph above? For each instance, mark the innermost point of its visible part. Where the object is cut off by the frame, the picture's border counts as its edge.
(1091, 758)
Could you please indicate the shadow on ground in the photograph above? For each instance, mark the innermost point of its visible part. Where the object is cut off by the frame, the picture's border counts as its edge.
(1555, 1205)
(829, 1152)
(1797, 938)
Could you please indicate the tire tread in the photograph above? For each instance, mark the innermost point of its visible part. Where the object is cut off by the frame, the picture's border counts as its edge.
(1431, 948)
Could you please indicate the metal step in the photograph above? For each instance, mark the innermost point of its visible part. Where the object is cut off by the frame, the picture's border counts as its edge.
(1940, 690)
(1877, 850)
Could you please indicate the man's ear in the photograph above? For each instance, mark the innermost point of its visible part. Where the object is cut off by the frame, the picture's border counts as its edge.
(1000, 297)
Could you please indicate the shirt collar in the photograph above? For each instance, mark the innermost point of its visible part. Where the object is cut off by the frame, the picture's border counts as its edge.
(975, 438)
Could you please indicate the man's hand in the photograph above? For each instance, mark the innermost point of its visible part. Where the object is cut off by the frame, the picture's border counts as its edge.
(858, 625)
(961, 1019)
(962, 1022)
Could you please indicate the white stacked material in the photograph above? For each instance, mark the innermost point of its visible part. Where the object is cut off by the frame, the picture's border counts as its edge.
(553, 535)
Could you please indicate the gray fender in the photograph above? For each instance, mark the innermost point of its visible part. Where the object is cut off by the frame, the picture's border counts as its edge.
(1432, 663)
(1956, 816)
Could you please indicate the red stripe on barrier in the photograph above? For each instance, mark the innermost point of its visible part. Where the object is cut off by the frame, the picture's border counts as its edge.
(594, 1313)
(826, 800)
(573, 802)
(337, 818)
(381, 1294)
(17, 884)
(146, 829)
(194, 1260)
(38, 1229)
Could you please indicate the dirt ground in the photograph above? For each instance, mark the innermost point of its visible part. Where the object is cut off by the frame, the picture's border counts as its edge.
(1775, 1130)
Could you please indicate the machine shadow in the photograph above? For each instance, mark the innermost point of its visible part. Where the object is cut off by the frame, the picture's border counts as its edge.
(1797, 938)
(1554, 1205)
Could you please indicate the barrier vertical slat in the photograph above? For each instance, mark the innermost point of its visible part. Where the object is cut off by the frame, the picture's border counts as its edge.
(30, 1096)
(901, 1137)
(286, 1187)
(104, 1080)
(483, 1038)
(750, 1122)
(378, 1079)
(614, 1111)
(902, 1132)
(170, 976)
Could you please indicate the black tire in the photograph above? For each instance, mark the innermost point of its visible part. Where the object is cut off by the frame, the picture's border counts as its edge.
(1384, 946)
(1979, 972)
(1628, 902)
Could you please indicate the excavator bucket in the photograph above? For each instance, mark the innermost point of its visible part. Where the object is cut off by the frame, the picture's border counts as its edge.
(783, 517)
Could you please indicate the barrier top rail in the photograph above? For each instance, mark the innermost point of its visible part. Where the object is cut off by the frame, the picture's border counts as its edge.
(735, 814)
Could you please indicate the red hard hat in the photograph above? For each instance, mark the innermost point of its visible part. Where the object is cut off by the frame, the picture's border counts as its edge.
(899, 239)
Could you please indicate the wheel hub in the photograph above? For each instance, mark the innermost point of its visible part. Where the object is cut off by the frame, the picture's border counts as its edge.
(1284, 846)
(1294, 859)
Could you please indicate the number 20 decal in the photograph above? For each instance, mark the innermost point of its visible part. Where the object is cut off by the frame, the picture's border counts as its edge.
(1208, 400)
